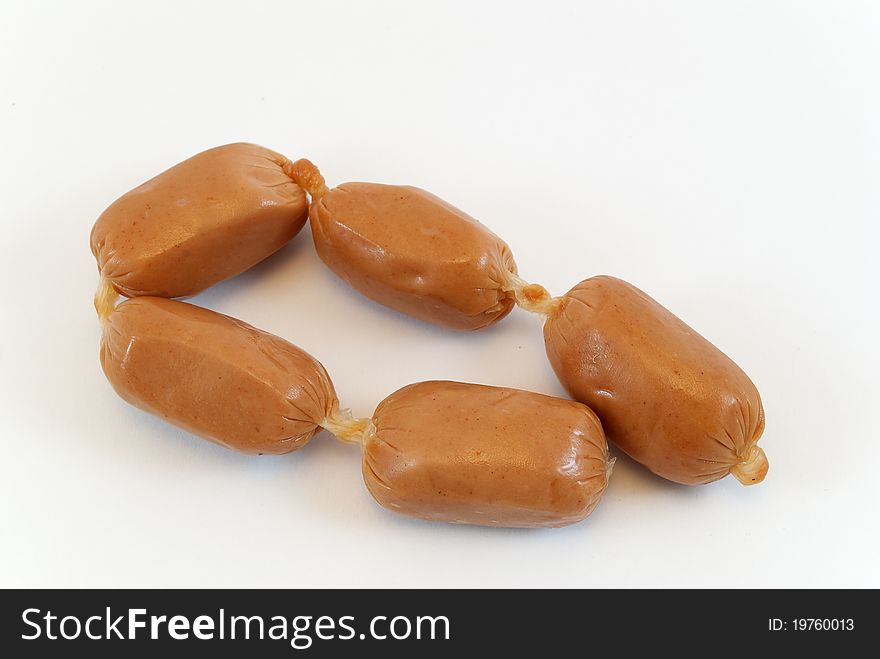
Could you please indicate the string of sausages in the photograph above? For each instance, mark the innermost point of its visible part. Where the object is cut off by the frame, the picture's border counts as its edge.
(438, 450)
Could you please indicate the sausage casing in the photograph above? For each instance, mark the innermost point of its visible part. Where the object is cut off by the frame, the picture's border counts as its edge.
(204, 220)
(475, 454)
(214, 376)
(665, 395)
(411, 251)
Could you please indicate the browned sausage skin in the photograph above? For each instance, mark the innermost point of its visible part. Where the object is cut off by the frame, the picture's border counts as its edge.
(214, 376)
(204, 220)
(666, 396)
(410, 251)
(494, 456)
(475, 454)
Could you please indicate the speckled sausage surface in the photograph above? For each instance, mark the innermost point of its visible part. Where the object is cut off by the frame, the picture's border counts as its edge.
(214, 376)
(665, 395)
(206, 219)
(474, 454)
(415, 253)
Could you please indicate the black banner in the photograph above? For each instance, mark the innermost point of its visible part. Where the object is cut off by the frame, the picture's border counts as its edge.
(317, 623)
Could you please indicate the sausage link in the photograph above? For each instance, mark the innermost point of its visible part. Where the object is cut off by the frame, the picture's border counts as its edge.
(206, 219)
(474, 454)
(214, 376)
(410, 251)
(665, 395)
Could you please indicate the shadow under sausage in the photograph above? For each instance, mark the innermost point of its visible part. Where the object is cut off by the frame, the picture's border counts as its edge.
(632, 479)
(163, 445)
(364, 306)
(159, 438)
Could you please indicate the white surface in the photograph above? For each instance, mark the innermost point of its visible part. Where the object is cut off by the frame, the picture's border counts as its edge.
(723, 156)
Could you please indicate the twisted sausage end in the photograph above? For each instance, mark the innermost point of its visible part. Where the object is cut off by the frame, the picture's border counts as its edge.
(105, 298)
(753, 469)
(346, 427)
(531, 297)
(306, 175)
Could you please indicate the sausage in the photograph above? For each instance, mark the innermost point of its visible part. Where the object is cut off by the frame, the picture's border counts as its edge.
(411, 251)
(204, 220)
(665, 395)
(474, 454)
(214, 376)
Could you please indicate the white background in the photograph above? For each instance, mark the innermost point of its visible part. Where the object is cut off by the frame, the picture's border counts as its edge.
(725, 157)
